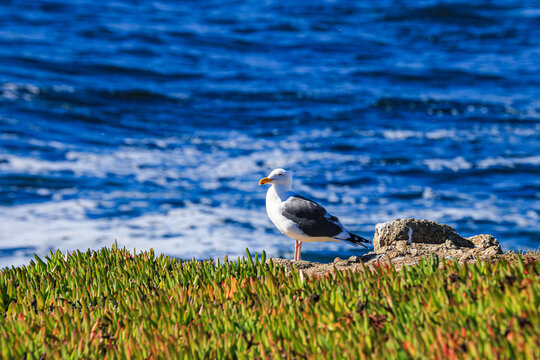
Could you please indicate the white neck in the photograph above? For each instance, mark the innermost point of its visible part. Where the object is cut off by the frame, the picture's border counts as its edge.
(282, 190)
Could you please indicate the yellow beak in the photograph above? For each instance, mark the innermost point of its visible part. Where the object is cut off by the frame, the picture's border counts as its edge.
(264, 180)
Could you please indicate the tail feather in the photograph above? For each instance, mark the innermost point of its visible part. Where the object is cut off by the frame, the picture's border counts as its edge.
(358, 240)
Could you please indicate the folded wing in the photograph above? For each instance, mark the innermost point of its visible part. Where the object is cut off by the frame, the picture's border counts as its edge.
(311, 217)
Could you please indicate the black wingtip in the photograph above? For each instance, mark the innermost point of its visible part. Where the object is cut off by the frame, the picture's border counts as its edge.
(358, 240)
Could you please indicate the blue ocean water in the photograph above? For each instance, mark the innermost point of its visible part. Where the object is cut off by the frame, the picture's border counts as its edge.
(150, 122)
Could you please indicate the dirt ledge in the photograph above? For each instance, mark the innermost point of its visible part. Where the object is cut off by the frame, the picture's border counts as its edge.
(408, 241)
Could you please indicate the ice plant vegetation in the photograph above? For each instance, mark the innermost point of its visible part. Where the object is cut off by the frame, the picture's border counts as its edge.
(116, 304)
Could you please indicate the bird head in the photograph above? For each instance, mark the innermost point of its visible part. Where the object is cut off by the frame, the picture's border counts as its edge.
(278, 177)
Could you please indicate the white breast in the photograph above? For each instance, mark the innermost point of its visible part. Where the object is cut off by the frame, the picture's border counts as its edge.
(274, 209)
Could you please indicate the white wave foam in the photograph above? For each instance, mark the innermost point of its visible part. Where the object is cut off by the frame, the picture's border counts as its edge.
(201, 230)
(508, 162)
(15, 91)
(495, 132)
(456, 164)
(27, 92)
(401, 134)
(442, 134)
(206, 158)
(459, 163)
(183, 162)
(198, 231)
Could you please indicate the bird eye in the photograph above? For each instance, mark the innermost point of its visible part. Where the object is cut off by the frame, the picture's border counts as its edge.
(280, 174)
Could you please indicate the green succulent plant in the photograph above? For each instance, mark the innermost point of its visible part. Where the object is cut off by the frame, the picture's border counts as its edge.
(116, 304)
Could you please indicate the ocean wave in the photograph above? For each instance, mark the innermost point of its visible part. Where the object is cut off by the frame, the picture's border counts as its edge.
(196, 231)
(401, 134)
(463, 135)
(440, 13)
(508, 162)
(157, 116)
(459, 163)
(14, 91)
(29, 92)
(443, 106)
(456, 164)
(219, 230)
(144, 72)
(143, 95)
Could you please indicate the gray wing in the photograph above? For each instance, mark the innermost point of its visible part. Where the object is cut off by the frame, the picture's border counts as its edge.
(311, 217)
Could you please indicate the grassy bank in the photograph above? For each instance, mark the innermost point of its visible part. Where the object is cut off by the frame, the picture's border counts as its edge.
(115, 304)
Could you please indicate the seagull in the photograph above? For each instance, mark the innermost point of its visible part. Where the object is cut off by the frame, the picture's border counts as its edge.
(299, 218)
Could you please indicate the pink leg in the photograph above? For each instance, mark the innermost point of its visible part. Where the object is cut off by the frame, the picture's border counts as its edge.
(295, 249)
(299, 249)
